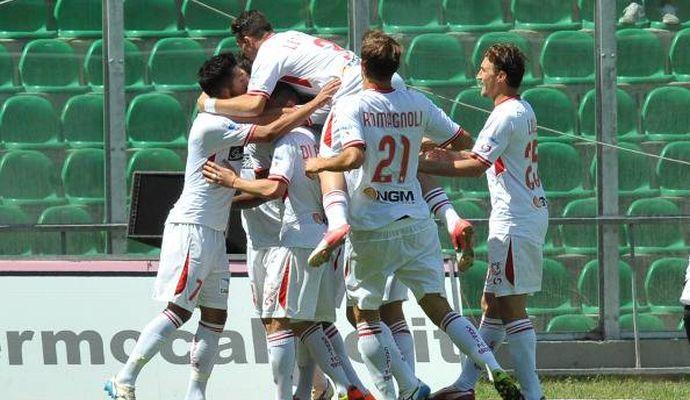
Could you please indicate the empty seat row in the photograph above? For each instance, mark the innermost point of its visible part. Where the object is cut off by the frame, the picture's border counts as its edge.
(567, 57)
(646, 322)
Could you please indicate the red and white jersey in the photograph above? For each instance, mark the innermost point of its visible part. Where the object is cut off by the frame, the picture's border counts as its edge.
(219, 139)
(390, 125)
(303, 218)
(508, 145)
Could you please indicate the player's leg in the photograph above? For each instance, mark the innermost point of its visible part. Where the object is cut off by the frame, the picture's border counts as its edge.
(393, 316)
(204, 350)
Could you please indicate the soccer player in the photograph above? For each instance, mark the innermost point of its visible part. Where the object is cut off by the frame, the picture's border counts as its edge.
(685, 300)
(381, 131)
(298, 298)
(307, 63)
(193, 269)
(506, 150)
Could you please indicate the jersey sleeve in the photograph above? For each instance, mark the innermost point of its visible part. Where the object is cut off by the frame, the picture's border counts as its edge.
(346, 124)
(492, 140)
(266, 71)
(259, 155)
(283, 163)
(228, 134)
(439, 127)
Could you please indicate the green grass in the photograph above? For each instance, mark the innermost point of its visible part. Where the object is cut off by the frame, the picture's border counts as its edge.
(607, 387)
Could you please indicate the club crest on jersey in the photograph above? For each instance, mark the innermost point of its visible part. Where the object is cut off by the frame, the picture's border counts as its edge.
(390, 196)
(236, 153)
(485, 148)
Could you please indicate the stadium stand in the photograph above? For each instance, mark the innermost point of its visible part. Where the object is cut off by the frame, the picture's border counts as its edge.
(655, 14)
(227, 45)
(680, 56)
(83, 175)
(655, 238)
(558, 166)
(436, 60)
(588, 287)
(29, 122)
(634, 173)
(411, 16)
(153, 159)
(626, 116)
(69, 243)
(586, 8)
(470, 119)
(329, 17)
(571, 323)
(29, 166)
(664, 114)
(543, 15)
(475, 16)
(79, 18)
(160, 20)
(284, 15)
(554, 110)
(555, 297)
(645, 323)
(671, 176)
(568, 58)
(17, 243)
(156, 120)
(25, 19)
(82, 121)
(50, 65)
(630, 67)
(7, 81)
(472, 284)
(173, 64)
(200, 21)
(135, 67)
(661, 285)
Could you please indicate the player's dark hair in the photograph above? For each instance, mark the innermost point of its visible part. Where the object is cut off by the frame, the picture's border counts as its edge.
(283, 94)
(508, 58)
(244, 63)
(217, 73)
(380, 55)
(251, 23)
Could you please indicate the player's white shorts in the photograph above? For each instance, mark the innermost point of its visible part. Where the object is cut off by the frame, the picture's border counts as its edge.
(329, 145)
(297, 291)
(193, 269)
(394, 291)
(408, 248)
(685, 296)
(515, 265)
(256, 269)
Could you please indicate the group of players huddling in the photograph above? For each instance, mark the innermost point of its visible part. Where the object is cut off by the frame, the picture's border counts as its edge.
(347, 210)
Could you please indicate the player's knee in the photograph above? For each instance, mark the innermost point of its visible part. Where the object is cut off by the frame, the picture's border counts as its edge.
(214, 316)
(435, 307)
(392, 312)
(368, 316)
(183, 314)
(274, 325)
(350, 314)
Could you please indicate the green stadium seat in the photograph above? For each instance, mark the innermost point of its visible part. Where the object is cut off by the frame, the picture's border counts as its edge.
(83, 176)
(681, 325)
(82, 121)
(29, 178)
(411, 16)
(671, 176)
(588, 287)
(329, 17)
(284, 15)
(476, 188)
(634, 173)
(439, 99)
(469, 209)
(50, 65)
(200, 21)
(75, 243)
(16, 243)
(470, 119)
(156, 120)
(79, 18)
(568, 58)
(475, 15)
(228, 44)
(655, 15)
(25, 19)
(559, 171)
(138, 248)
(174, 63)
(680, 56)
(664, 114)
(472, 286)
(626, 116)
(153, 160)
(151, 18)
(135, 67)
(436, 60)
(587, 14)
(631, 66)
(582, 238)
(543, 15)
(663, 284)
(571, 323)
(556, 291)
(554, 110)
(7, 81)
(29, 122)
(645, 323)
(488, 39)
(656, 237)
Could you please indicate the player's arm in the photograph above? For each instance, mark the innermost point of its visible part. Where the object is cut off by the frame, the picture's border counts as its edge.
(245, 105)
(267, 188)
(448, 163)
(245, 201)
(350, 158)
(443, 131)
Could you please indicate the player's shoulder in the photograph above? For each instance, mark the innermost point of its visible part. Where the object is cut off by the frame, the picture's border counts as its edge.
(296, 136)
(204, 122)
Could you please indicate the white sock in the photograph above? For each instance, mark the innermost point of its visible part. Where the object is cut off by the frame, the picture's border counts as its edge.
(326, 358)
(152, 337)
(339, 347)
(305, 379)
(493, 333)
(463, 334)
(403, 339)
(440, 206)
(522, 344)
(375, 352)
(335, 207)
(203, 355)
(281, 355)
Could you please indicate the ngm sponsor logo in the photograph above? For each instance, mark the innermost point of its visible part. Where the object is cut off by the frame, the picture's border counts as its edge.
(390, 196)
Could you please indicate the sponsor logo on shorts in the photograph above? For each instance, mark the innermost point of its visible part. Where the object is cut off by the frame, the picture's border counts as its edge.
(495, 273)
(390, 196)
(539, 202)
(225, 285)
(318, 218)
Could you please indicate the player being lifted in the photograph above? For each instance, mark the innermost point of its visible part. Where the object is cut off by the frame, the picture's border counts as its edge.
(506, 150)
(381, 131)
(193, 269)
(307, 63)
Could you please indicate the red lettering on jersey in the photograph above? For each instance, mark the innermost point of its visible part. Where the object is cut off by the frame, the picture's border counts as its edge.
(499, 166)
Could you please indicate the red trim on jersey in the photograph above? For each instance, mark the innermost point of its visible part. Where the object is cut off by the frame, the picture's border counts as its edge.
(328, 133)
(248, 139)
(259, 170)
(182, 282)
(499, 166)
(516, 97)
(510, 271)
(378, 89)
(356, 143)
(450, 140)
(480, 158)
(212, 158)
(296, 80)
(282, 292)
(261, 93)
(279, 178)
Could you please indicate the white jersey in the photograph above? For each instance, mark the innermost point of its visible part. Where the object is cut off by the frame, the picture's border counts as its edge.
(303, 218)
(390, 125)
(216, 138)
(508, 145)
(261, 224)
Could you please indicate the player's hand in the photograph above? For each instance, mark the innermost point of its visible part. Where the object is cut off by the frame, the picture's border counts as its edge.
(327, 92)
(312, 166)
(218, 175)
(200, 101)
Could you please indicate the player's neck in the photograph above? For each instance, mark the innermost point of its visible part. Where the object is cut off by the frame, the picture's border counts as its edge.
(505, 95)
(377, 85)
(266, 36)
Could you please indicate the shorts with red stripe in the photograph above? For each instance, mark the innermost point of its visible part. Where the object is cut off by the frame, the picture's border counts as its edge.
(515, 265)
(296, 291)
(193, 269)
